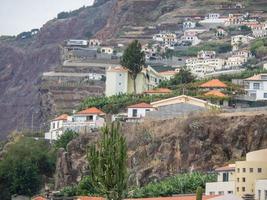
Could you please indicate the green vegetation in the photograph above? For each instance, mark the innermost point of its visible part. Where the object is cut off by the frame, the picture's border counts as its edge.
(65, 138)
(25, 162)
(199, 193)
(219, 47)
(117, 103)
(259, 47)
(64, 15)
(179, 184)
(183, 77)
(134, 59)
(108, 164)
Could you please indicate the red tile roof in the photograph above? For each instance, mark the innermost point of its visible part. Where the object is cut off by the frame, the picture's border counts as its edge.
(215, 93)
(225, 168)
(61, 117)
(169, 72)
(158, 91)
(117, 69)
(92, 110)
(39, 198)
(89, 198)
(214, 83)
(256, 77)
(179, 197)
(141, 105)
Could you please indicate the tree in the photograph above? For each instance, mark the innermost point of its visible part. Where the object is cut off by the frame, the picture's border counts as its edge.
(199, 193)
(23, 163)
(134, 60)
(65, 138)
(108, 161)
(184, 76)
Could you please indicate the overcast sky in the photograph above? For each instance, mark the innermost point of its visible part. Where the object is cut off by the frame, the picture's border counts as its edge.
(17, 16)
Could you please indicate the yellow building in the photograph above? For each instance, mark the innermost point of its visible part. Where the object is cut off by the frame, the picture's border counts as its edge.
(118, 81)
(249, 171)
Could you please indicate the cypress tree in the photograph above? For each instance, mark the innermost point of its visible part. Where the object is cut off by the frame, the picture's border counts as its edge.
(199, 193)
(108, 164)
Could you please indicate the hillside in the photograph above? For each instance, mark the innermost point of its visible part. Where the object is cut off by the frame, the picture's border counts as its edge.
(161, 149)
(22, 61)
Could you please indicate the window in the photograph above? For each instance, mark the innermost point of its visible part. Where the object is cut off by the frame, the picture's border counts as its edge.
(230, 192)
(259, 170)
(53, 125)
(212, 193)
(256, 86)
(147, 110)
(225, 177)
(237, 189)
(244, 170)
(244, 179)
(221, 193)
(265, 195)
(243, 189)
(237, 179)
(134, 112)
(259, 193)
(265, 95)
(89, 118)
(251, 170)
(238, 170)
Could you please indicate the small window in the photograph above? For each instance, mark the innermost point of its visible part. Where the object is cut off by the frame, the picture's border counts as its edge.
(134, 112)
(251, 170)
(259, 170)
(243, 189)
(265, 95)
(238, 170)
(230, 192)
(221, 193)
(212, 193)
(244, 179)
(244, 170)
(89, 118)
(237, 179)
(147, 110)
(237, 189)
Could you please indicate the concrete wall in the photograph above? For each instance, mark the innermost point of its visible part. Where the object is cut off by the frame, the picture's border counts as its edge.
(220, 188)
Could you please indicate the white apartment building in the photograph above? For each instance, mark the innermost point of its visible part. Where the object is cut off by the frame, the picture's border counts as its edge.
(256, 87)
(201, 67)
(189, 25)
(259, 30)
(107, 50)
(225, 181)
(94, 42)
(166, 38)
(119, 81)
(235, 61)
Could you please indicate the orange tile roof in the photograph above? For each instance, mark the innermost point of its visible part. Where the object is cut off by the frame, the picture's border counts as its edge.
(216, 93)
(141, 105)
(39, 198)
(89, 198)
(158, 91)
(214, 83)
(92, 110)
(179, 197)
(225, 168)
(61, 117)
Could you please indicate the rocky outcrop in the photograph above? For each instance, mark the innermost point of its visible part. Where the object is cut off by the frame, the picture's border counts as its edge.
(163, 148)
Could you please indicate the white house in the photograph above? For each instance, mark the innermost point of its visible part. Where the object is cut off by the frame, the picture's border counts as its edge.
(81, 122)
(107, 50)
(256, 87)
(225, 181)
(189, 24)
(191, 36)
(166, 38)
(261, 189)
(213, 20)
(56, 127)
(94, 42)
(138, 111)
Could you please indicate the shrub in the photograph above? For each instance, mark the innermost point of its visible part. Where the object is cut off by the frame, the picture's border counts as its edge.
(65, 138)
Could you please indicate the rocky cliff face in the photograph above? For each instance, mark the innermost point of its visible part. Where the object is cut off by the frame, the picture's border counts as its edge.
(160, 149)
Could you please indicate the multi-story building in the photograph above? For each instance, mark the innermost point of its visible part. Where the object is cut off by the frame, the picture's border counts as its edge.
(225, 181)
(166, 38)
(248, 177)
(256, 87)
(94, 42)
(189, 24)
(235, 20)
(119, 81)
(200, 67)
(259, 30)
(249, 171)
(56, 127)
